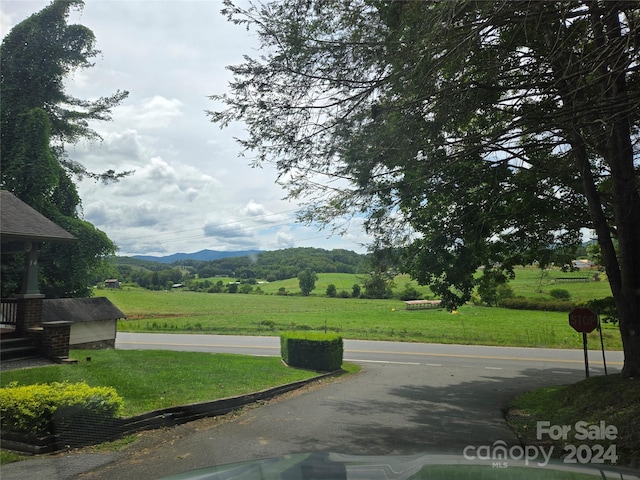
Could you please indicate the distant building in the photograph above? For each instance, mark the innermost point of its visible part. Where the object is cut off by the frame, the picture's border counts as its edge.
(581, 264)
(112, 283)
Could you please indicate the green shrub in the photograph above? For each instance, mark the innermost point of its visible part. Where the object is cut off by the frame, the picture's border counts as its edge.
(504, 291)
(409, 293)
(312, 350)
(560, 294)
(522, 303)
(31, 408)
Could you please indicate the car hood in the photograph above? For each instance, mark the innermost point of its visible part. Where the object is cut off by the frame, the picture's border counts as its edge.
(336, 466)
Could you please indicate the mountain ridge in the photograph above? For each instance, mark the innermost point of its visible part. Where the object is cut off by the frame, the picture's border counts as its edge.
(205, 255)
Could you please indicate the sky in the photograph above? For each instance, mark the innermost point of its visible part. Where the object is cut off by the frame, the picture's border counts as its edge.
(190, 190)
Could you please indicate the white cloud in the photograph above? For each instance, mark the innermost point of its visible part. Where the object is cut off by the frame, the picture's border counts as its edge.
(97, 213)
(119, 150)
(150, 113)
(7, 20)
(259, 213)
(190, 190)
(254, 209)
(285, 240)
(231, 230)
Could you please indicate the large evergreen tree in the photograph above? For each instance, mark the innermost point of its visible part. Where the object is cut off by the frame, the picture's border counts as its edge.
(469, 133)
(37, 119)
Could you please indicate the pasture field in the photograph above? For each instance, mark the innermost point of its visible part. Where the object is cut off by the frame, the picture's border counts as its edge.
(529, 282)
(240, 314)
(342, 281)
(532, 282)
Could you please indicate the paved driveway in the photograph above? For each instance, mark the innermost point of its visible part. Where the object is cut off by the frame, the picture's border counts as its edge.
(385, 409)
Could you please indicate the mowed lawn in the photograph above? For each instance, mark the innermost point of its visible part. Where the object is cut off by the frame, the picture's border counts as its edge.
(198, 312)
(150, 380)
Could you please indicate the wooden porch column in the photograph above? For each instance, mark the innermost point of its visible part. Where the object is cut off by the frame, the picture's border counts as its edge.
(29, 308)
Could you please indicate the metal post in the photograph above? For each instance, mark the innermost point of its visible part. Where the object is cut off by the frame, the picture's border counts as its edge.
(604, 360)
(586, 354)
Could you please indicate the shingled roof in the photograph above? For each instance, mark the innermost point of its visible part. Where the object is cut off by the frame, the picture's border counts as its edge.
(18, 221)
(80, 309)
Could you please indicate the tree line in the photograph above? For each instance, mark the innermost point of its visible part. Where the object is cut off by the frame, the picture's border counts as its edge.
(279, 264)
(270, 266)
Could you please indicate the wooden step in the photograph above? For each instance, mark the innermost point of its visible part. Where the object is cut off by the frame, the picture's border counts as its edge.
(17, 348)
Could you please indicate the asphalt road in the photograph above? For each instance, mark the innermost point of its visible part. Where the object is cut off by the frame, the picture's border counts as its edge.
(409, 398)
(552, 361)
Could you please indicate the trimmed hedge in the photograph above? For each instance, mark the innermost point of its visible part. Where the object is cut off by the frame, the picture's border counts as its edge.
(312, 350)
(33, 408)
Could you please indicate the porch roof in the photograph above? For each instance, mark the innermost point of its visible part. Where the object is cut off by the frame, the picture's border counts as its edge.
(92, 309)
(20, 222)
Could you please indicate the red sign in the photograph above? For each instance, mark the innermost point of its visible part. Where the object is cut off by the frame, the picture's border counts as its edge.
(583, 320)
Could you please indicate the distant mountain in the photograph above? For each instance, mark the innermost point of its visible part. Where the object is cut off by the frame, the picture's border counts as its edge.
(205, 255)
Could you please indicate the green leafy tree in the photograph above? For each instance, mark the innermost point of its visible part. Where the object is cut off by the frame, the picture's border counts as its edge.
(37, 119)
(332, 291)
(488, 285)
(593, 253)
(123, 272)
(37, 55)
(307, 279)
(378, 285)
(467, 133)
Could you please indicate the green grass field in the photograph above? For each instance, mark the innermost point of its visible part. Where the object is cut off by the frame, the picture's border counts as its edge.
(529, 282)
(532, 282)
(150, 380)
(181, 311)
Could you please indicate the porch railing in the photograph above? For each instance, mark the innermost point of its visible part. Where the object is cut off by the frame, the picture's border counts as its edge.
(9, 311)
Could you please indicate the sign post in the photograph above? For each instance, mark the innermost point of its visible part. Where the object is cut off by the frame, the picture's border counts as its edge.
(604, 360)
(584, 320)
